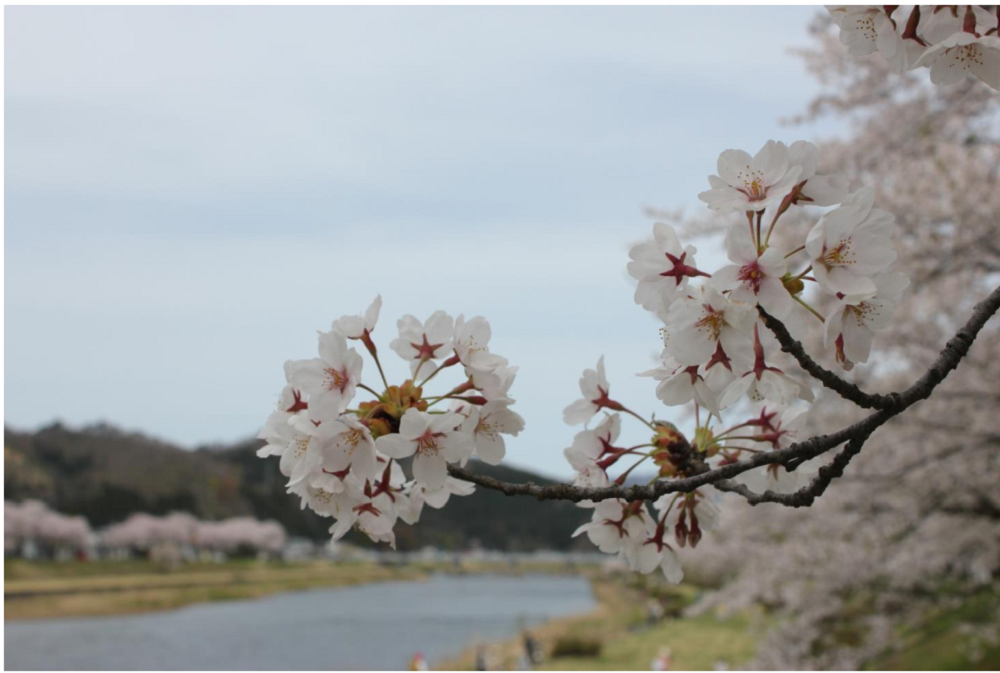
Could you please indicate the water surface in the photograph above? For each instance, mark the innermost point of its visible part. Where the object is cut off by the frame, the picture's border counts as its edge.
(375, 626)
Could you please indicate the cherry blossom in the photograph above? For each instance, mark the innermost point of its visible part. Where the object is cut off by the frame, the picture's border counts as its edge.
(472, 340)
(746, 183)
(487, 424)
(593, 451)
(342, 455)
(375, 517)
(331, 379)
(438, 498)
(851, 325)
(652, 550)
(347, 443)
(434, 441)
(704, 321)
(864, 29)
(943, 21)
(850, 244)
(763, 382)
(31, 521)
(359, 326)
(616, 525)
(680, 384)
(293, 438)
(963, 54)
(754, 277)
(662, 267)
(495, 385)
(816, 190)
(420, 342)
(595, 387)
(327, 494)
(954, 41)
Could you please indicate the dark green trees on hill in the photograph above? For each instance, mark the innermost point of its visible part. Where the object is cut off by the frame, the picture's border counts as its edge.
(106, 474)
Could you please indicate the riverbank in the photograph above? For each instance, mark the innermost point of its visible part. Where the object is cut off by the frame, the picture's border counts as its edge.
(38, 590)
(375, 626)
(620, 635)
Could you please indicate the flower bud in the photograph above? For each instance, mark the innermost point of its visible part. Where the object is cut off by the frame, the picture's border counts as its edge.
(397, 399)
(666, 465)
(694, 537)
(667, 435)
(681, 531)
(704, 441)
(793, 284)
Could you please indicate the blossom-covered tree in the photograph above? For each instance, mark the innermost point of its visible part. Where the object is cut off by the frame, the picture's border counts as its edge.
(818, 265)
(915, 519)
(144, 532)
(33, 522)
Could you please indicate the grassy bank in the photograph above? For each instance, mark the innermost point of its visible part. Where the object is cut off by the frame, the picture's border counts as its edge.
(35, 590)
(39, 590)
(946, 639)
(620, 637)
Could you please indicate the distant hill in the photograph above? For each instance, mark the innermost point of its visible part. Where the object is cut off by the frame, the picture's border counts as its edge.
(106, 474)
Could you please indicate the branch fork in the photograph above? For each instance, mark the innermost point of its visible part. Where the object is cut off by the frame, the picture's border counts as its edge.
(886, 407)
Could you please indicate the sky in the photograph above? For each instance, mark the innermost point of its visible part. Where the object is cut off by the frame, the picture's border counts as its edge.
(191, 193)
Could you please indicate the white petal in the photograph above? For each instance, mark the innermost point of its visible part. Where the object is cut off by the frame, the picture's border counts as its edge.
(395, 446)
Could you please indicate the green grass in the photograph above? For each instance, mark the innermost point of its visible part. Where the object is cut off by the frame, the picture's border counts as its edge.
(627, 642)
(696, 644)
(939, 644)
(39, 590)
(19, 569)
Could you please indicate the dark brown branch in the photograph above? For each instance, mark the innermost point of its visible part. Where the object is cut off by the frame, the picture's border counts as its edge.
(848, 391)
(855, 435)
(804, 497)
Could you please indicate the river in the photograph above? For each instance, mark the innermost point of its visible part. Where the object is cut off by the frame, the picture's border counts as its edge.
(373, 627)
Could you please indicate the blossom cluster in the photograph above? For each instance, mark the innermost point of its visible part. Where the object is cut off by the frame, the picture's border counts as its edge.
(953, 41)
(33, 521)
(718, 354)
(343, 459)
(143, 532)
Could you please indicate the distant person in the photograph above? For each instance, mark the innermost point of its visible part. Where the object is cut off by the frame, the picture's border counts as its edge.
(481, 659)
(662, 661)
(532, 649)
(654, 611)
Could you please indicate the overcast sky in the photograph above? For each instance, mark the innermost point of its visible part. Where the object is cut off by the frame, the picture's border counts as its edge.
(192, 192)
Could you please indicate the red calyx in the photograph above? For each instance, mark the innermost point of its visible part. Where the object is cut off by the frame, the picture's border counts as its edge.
(764, 420)
(759, 366)
(719, 358)
(969, 23)
(910, 32)
(426, 350)
(298, 404)
(680, 269)
(606, 402)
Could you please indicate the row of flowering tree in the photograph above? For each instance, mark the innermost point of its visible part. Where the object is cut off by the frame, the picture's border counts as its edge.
(743, 348)
(144, 533)
(31, 524)
(50, 533)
